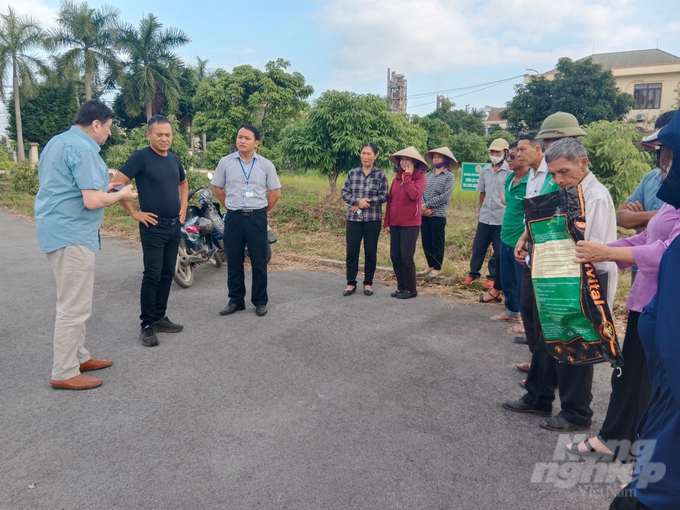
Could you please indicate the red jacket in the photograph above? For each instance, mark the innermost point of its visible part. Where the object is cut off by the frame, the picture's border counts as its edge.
(405, 199)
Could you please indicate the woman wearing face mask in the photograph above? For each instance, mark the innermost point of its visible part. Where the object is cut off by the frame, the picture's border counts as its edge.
(435, 206)
(631, 387)
(403, 218)
(365, 191)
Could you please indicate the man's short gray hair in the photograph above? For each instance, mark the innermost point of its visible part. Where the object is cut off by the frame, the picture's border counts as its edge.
(568, 148)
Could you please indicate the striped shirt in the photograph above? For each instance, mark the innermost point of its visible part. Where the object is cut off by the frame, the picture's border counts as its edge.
(438, 192)
(372, 186)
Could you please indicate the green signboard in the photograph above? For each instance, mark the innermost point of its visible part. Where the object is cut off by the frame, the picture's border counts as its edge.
(470, 175)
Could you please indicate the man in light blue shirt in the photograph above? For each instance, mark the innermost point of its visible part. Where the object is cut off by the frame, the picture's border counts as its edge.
(68, 212)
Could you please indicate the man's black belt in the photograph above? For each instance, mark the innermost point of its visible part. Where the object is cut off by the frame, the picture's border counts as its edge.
(167, 222)
(248, 212)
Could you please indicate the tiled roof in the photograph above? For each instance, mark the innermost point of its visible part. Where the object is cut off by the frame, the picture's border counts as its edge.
(634, 58)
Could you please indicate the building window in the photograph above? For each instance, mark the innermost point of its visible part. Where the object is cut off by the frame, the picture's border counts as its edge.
(647, 96)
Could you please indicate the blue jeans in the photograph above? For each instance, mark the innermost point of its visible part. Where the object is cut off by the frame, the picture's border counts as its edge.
(511, 279)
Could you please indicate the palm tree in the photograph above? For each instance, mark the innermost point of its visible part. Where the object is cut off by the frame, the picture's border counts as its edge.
(91, 35)
(153, 68)
(18, 35)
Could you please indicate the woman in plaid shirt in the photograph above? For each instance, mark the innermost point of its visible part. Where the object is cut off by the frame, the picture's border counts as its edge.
(435, 206)
(365, 191)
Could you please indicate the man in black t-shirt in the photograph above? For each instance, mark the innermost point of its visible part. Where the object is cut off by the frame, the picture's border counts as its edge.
(163, 197)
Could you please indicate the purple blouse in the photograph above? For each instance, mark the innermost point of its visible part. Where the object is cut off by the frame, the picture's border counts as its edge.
(648, 248)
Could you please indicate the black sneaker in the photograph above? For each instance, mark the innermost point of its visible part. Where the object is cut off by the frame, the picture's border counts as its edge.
(165, 325)
(148, 336)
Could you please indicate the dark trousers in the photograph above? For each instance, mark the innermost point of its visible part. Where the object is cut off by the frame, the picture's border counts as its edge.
(159, 245)
(529, 312)
(573, 381)
(631, 389)
(433, 237)
(625, 500)
(486, 235)
(402, 250)
(510, 278)
(240, 231)
(369, 231)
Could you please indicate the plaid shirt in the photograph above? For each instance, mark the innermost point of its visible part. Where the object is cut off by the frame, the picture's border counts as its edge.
(372, 186)
(438, 192)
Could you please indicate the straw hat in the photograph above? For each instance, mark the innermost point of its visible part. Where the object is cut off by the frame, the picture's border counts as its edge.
(409, 152)
(446, 152)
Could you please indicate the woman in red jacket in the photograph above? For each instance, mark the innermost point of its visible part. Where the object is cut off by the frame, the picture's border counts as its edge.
(403, 218)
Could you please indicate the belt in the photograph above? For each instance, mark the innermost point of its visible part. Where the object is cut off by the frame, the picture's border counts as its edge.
(167, 222)
(248, 212)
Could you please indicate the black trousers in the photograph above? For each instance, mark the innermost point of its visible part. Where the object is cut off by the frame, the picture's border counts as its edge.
(529, 311)
(486, 235)
(403, 242)
(573, 381)
(625, 500)
(159, 245)
(240, 231)
(433, 237)
(369, 231)
(631, 389)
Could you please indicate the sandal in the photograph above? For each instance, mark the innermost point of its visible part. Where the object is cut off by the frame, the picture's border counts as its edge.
(497, 298)
(592, 452)
(504, 317)
(517, 330)
(523, 367)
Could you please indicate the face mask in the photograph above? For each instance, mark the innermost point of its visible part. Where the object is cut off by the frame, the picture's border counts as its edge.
(441, 164)
(496, 159)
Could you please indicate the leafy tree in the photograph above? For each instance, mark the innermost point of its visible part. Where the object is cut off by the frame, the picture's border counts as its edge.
(50, 112)
(499, 133)
(153, 68)
(460, 120)
(268, 100)
(438, 132)
(581, 88)
(117, 155)
(89, 34)
(18, 36)
(329, 139)
(469, 148)
(615, 156)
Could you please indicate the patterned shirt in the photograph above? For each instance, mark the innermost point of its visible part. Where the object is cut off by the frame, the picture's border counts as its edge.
(372, 186)
(438, 192)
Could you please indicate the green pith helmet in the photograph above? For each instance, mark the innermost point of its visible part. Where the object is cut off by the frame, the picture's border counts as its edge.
(560, 125)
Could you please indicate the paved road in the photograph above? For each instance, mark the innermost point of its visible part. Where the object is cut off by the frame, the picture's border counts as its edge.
(327, 402)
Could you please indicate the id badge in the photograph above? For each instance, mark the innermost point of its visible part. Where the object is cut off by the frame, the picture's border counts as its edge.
(248, 192)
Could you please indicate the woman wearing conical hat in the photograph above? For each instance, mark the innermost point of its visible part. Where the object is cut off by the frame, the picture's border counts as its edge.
(403, 218)
(435, 206)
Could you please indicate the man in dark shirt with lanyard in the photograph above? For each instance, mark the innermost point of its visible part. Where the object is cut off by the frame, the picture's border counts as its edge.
(163, 198)
(241, 182)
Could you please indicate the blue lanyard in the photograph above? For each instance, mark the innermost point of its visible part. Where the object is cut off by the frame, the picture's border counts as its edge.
(244, 170)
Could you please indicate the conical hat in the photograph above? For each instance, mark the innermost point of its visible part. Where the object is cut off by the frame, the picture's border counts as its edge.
(409, 152)
(446, 152)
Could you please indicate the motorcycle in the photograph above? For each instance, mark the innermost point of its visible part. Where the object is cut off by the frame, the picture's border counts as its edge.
(202, 238)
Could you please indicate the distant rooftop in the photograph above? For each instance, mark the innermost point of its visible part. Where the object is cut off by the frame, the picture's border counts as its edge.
(630, 59)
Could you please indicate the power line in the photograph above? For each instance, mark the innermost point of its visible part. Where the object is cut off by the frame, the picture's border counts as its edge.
(491, 83)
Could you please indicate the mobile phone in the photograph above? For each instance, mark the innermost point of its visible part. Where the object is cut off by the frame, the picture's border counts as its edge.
(116, 189)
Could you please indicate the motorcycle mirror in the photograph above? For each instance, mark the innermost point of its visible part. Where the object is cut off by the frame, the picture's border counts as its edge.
(210, 175)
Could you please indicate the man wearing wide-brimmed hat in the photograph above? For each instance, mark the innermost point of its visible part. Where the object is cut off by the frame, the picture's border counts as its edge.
(490, 217)
(435, 206)
(402, 218)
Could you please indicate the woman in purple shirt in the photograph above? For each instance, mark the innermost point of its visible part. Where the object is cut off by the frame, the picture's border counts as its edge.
(631, 385)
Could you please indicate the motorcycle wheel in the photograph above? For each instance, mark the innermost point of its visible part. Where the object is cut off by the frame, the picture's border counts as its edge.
(215, 259)
(184, 271)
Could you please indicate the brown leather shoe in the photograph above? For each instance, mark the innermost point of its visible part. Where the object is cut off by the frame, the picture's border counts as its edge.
(95, 364)
(79, 382)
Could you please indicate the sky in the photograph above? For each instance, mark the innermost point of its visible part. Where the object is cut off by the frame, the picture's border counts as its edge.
(457, 48)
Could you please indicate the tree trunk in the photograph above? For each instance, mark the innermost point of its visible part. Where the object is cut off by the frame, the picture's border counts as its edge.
(148, 110)
(17, 114)
(333, 181)
(87, 78)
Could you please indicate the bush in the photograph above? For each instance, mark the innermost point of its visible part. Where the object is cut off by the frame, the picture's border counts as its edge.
(24, 178)
(469, 148)
(616, 157)
(5, 160)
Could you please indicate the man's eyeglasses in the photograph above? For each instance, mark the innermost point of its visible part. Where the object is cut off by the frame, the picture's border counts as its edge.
(511, 157)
